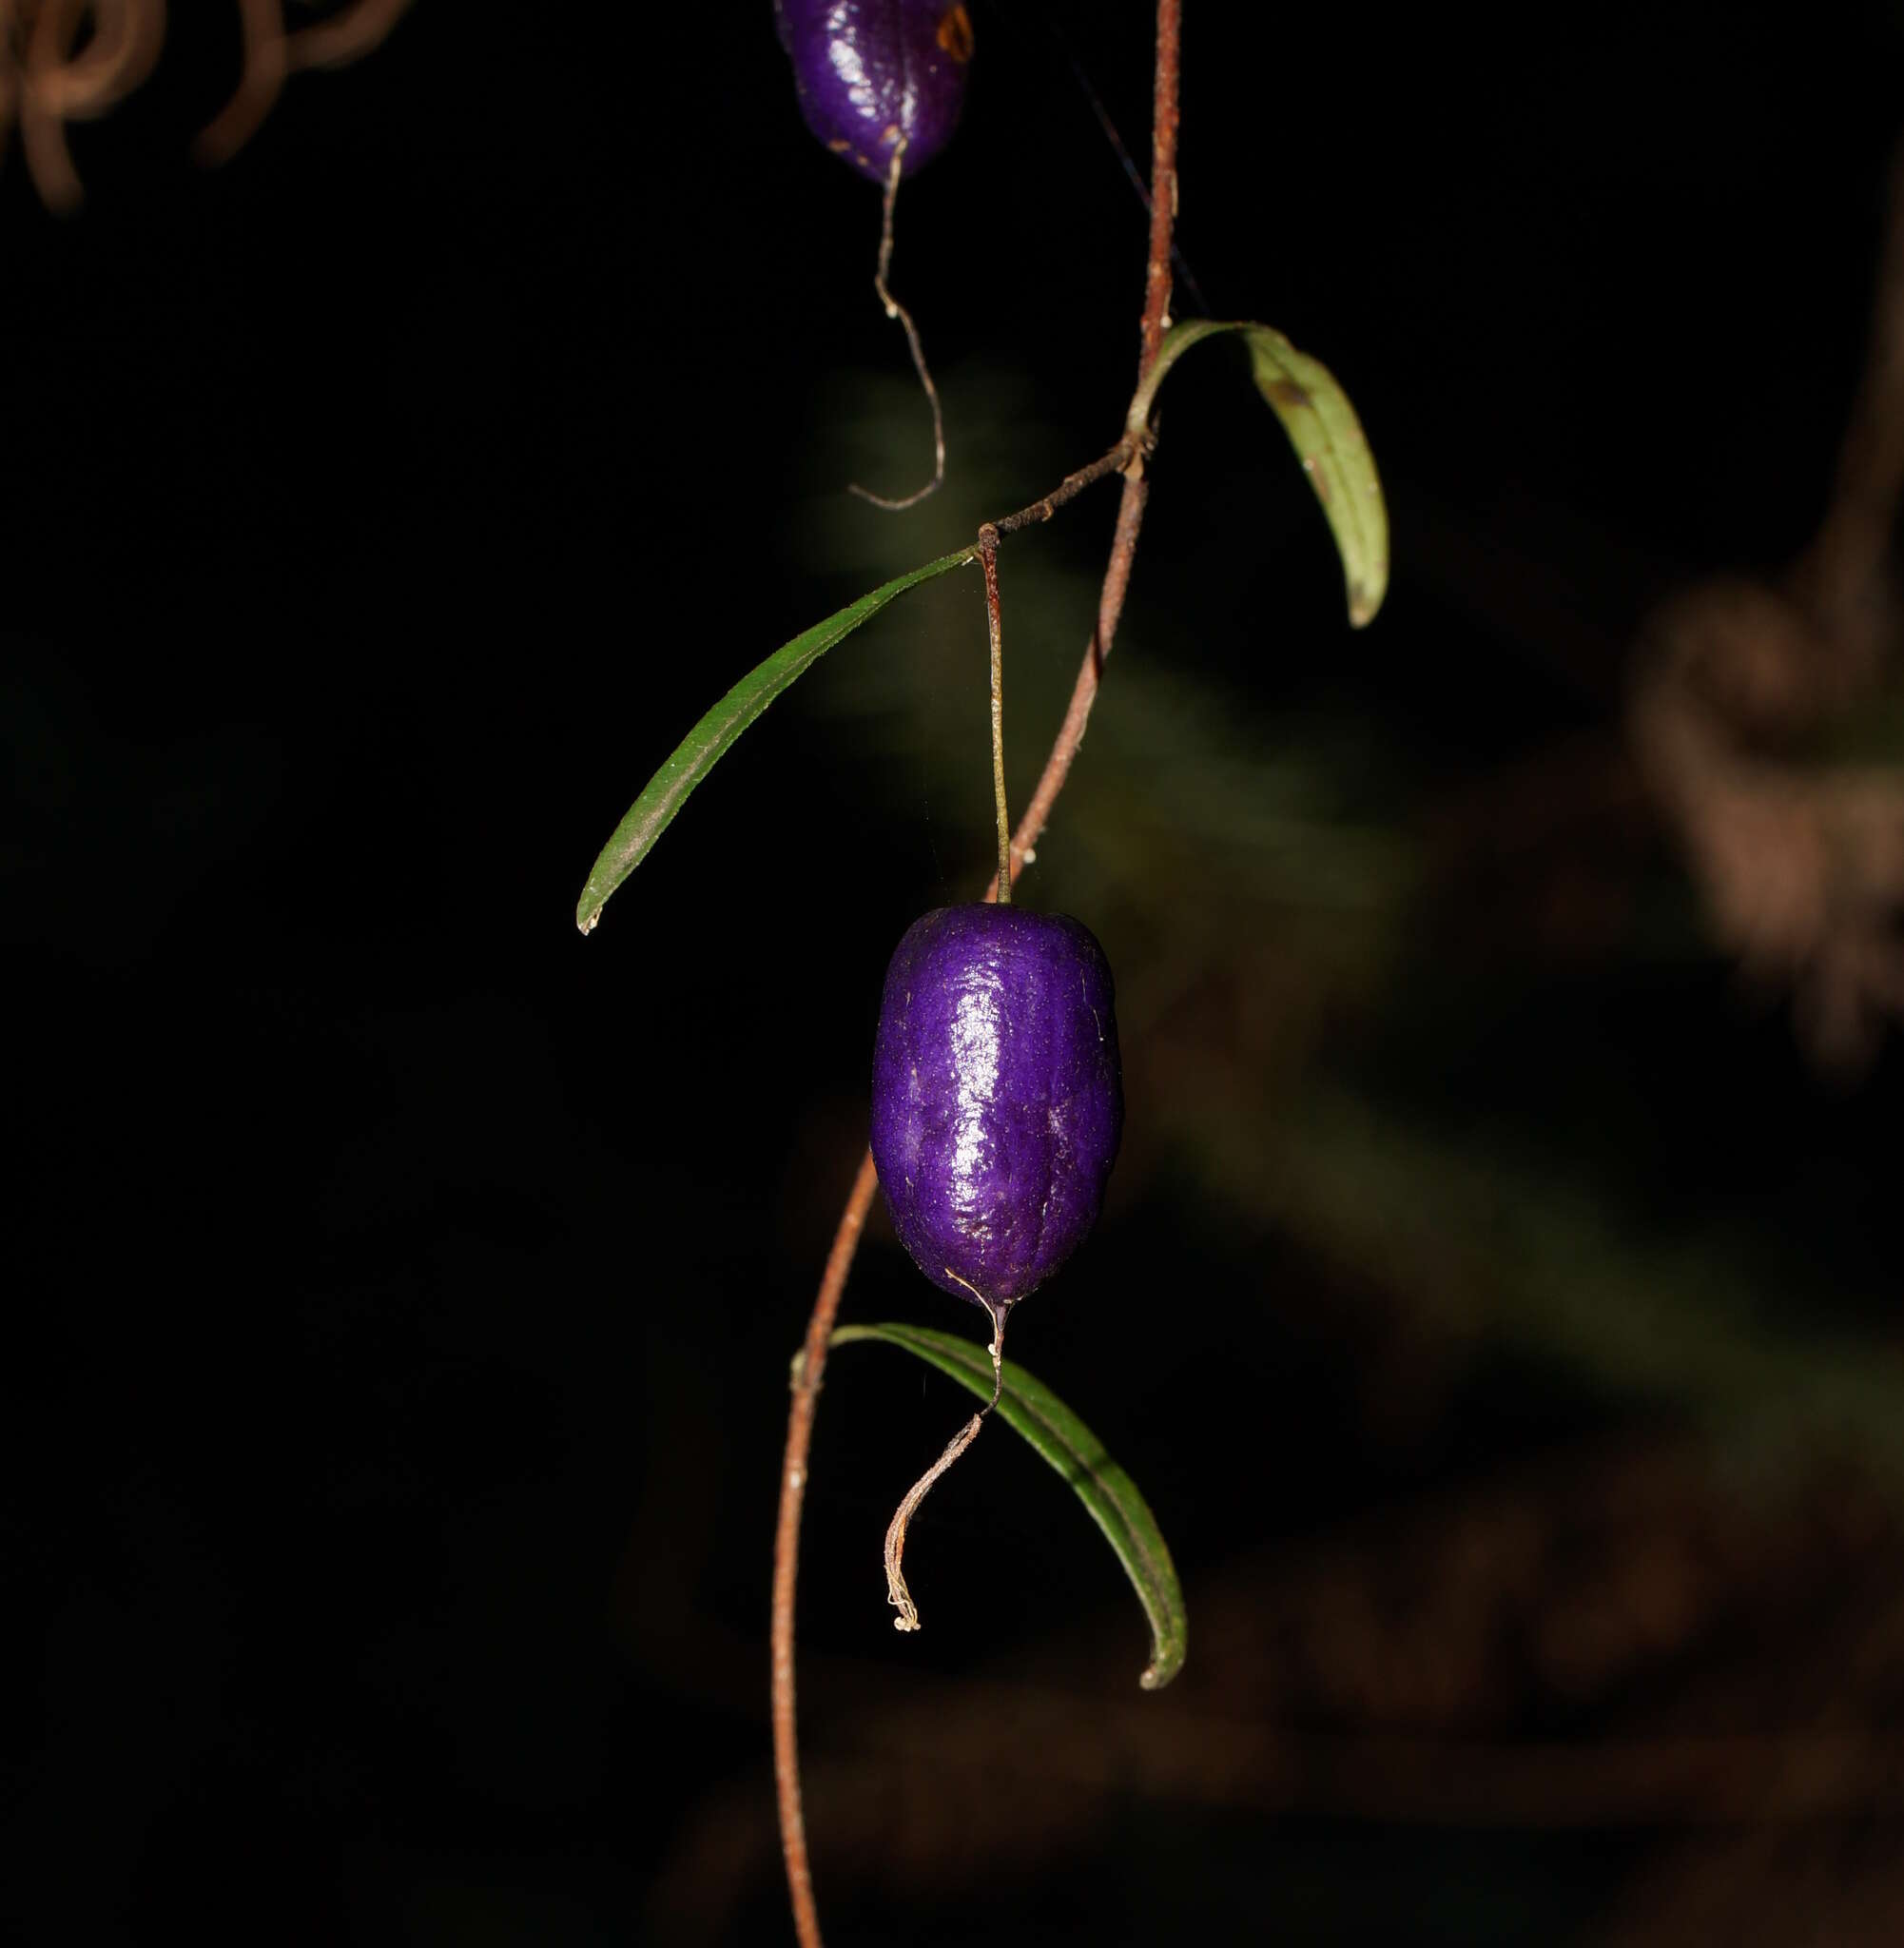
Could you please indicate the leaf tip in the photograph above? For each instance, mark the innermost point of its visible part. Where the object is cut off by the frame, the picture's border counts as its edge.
(1166, 1661)
(588, 913)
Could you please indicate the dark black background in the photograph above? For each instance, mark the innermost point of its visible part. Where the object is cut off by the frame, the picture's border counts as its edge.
(403, 1286)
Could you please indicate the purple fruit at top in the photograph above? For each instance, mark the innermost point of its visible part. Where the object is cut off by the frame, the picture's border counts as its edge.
(870, 71)
(998, 1097)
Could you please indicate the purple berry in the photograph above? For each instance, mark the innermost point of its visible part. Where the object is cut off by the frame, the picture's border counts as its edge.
(998, 1099)
(869, 72)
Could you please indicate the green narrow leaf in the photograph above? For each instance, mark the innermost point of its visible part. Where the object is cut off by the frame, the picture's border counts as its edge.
(1110, 1495)
(1327, 435)
(702, 746)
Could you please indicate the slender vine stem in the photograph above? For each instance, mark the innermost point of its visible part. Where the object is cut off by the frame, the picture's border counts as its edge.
(1129, 458)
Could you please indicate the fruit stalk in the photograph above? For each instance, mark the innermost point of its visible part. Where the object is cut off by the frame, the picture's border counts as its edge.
(1056, 768)
(988, 557)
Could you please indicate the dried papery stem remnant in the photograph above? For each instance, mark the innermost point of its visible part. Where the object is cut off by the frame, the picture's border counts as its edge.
(896, 310)
(74, 60)
(897, 1593)
(1056, 768)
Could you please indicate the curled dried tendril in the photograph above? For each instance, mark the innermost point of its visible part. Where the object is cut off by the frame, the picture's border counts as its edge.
(65, 61)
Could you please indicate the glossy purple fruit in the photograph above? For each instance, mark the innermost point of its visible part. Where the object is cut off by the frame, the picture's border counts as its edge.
(869, 72)
(998, 1099)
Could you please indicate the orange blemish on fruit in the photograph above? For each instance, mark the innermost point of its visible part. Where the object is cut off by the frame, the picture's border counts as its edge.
(954, 33)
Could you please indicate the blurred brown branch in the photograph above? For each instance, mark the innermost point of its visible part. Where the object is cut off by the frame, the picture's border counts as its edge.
(69, 60)
(1801, 867)
(75, 60)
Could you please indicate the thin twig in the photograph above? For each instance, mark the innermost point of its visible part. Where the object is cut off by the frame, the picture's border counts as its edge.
(895, 309)
(1067, 489)
(1056, 768)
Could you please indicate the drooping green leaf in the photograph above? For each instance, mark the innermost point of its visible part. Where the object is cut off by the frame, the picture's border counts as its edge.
(1327, 435)
(698, 753)
(1110, 1495)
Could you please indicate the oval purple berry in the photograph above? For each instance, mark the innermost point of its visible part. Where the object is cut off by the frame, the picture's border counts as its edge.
(870, 71)
(997, 1096)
